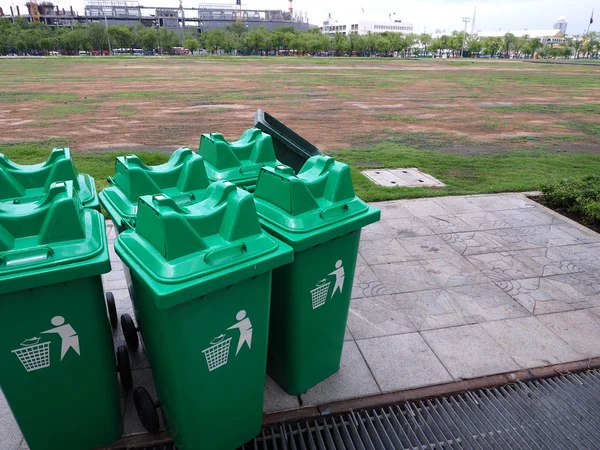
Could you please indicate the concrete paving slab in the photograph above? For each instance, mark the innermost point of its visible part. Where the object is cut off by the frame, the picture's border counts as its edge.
(532, 236)
(353, 380)
(381, 251)
(484, 302)
(375, 231)
(378, 316)
(403, 361)
(492, 202)
(530, 343)
(469, 352)
(458, 205)
(424, 207)
(431, 309)
(581, 286)
(392, 210)
(480, 221)
(580, 329)
(427, 247)
(366, 283)
(10, 435)
(501, 266)
(471, 243)
(445, 224)
(405, 227)
(276, 399)
(539, 296)
(404, 277)
(453, 271)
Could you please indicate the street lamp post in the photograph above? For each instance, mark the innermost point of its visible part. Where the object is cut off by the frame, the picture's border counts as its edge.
(466, 20)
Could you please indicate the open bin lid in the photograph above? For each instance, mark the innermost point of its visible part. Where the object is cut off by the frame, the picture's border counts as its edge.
(183, 178)
(52, 240)
(19, 182)
(238, 162)
(291, 149)
(184, 252)
(313, 207)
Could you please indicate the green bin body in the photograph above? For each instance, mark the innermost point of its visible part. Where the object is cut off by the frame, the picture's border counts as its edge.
(238, 162)
(183, 178)
(318, 215)
(201, 282)
(28, 183)
(58, 371)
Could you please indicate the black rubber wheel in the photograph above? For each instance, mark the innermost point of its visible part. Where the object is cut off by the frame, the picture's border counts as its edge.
(112, 309)
(130, 332)
(124, 367)
(146, 409)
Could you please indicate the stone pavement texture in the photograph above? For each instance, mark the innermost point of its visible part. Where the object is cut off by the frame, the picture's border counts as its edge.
(445, 289)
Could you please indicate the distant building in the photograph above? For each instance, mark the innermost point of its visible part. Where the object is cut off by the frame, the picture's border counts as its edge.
(554, 36)
(366, 26)
(561, 24)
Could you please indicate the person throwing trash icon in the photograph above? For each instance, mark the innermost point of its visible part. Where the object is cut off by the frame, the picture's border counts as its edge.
(68, 335)
(339, 277)
(245, 327)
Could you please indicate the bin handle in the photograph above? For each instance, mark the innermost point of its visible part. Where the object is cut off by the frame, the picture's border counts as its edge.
(26, 256)
(250, 170)
(334, 211)
(226, 253)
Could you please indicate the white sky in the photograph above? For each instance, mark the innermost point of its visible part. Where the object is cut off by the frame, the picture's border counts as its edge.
(426, 15)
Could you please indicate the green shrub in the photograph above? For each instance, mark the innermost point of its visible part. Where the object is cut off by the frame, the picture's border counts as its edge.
(576, 196)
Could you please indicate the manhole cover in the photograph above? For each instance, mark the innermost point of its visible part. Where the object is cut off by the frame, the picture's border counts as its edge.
(401, 177)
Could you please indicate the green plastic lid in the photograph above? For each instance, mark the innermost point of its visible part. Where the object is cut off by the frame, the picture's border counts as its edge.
(184, 252)
(312, 207)
(238, 162)
(26, 183)
(183, 178)
(52, 240)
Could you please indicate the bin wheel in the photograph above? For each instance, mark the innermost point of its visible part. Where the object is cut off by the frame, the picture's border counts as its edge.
(112, 309)
(124, 367)
(146, 409)
(130, 332)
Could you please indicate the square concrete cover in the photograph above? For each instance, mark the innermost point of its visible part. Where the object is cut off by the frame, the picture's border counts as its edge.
(401, 177)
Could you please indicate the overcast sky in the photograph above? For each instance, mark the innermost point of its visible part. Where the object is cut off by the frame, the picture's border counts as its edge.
(427, 15)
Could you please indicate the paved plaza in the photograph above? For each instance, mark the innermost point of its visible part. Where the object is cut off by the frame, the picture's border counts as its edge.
(445, 289)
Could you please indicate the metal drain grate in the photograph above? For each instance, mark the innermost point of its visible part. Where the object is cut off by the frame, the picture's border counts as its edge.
(555, 413)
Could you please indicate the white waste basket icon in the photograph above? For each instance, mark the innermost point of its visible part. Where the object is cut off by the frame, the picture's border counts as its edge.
(217, 354)
(319, 294)
(34, 356)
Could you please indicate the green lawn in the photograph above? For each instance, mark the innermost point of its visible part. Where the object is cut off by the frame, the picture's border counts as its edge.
(519, 170)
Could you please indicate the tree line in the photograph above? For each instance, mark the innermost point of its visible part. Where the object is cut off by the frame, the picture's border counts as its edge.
(22, 37)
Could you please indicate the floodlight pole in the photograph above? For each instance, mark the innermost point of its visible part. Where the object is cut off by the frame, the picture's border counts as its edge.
(107, 35)
(466, 20)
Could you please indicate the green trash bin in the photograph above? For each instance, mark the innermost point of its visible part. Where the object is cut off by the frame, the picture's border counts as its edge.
(237, 162)
(183, 178)
(201, 278)
(28, 183)
(58, 367)
(318, 215)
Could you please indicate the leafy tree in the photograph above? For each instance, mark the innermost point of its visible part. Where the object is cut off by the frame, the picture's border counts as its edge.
(508, 43)
(340, 43)
(96, 36)
(491, 45)
(191, 44)
(257, 39)
(147, 38)
(425, 40)
(167, 39)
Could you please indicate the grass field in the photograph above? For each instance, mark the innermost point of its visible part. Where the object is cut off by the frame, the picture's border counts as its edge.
(479, 126)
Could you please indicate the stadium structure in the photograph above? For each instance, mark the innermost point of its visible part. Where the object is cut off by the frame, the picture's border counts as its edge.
(125, 12)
